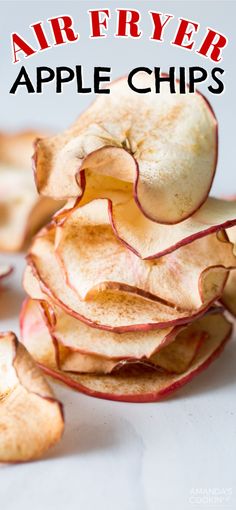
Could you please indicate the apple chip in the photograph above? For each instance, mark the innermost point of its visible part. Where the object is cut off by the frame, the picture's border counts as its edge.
(22, 211)
(35, 333)
(77, 336)
(152, 240)
(178, 355)
(93, 260)
(160, 150)
(229, 294)
(39, 330)
(31, 419)
(111, 310)
(46, 350)
(138, 382)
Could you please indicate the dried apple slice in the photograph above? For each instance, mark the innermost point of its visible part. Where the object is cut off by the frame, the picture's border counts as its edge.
(46, 350)
(174, 354)
(198, 269)
(110, 310)
(35, 334)
(177, 356)
(138, 383)
(31, 419)
(16, 149)
(22, 211)
(162, 147)
(78, 336)
(229, 294)
(152, 240)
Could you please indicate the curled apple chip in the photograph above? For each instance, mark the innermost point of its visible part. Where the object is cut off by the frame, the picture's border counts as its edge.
(77, 336)
(46, 350)
(148, 239)
(93, 261)
(140, 382)
(110, 310)
(22, 211)
(159, 149)
(39, 326)
(31, 419)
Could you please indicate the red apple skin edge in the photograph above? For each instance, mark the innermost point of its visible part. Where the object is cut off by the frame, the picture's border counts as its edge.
(120, 329)
(142, 398)
(81, 177)
(61, 216)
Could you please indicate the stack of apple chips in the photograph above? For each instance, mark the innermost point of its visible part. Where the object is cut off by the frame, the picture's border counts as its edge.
(125, 283)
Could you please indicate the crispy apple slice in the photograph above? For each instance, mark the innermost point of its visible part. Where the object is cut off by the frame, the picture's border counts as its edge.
(177, 356)
(127, 312)
(35, 333)
(45, 349)
(78, 336)
(174, 358)
(139, 383)
(31, 419)
(16, 149)
(174, 354)
(152, 240)
(110, 310)
(22, 211)
(198, 269)
(162, 147)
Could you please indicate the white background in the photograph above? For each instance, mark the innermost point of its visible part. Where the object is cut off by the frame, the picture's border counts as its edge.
(114, 455)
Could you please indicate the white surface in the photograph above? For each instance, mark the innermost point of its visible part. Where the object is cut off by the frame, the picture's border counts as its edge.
(179, 453)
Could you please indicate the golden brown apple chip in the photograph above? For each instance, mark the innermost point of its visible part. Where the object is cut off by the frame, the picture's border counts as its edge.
(31, 419)
(148, 239)
(198, 345)
(77, 336)
(93, 260)
(160, 150)
(152, 295)
(173, 353)
(22, 211)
